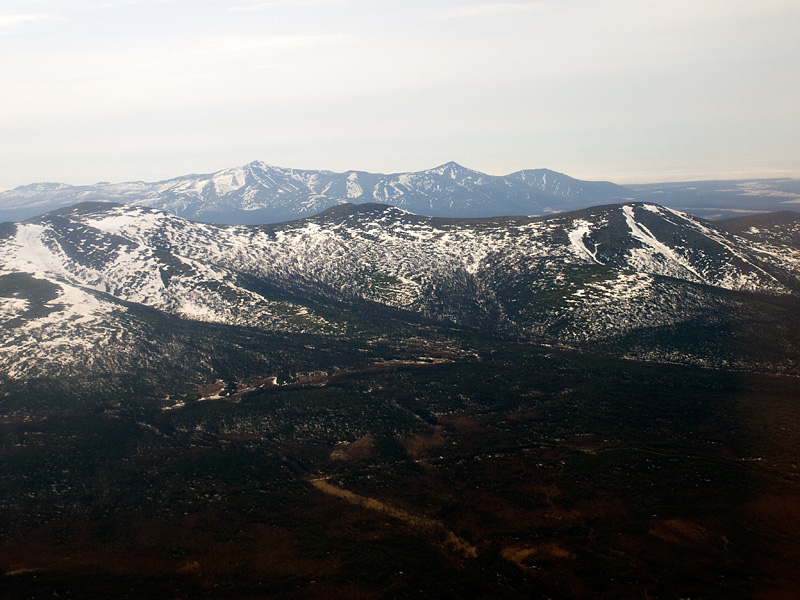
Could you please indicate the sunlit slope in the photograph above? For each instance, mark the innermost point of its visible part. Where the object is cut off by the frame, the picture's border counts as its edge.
(77, 284)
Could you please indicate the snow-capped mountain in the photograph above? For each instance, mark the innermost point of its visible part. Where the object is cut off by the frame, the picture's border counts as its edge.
(260, 193)
(97, 285)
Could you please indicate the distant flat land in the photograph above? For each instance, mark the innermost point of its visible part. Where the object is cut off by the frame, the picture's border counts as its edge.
(723, 199)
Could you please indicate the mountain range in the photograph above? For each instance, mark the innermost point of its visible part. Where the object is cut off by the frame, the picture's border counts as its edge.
(260, 193)
(101, 291)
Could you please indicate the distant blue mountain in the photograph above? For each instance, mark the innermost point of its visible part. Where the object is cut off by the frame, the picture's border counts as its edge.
(260, 193)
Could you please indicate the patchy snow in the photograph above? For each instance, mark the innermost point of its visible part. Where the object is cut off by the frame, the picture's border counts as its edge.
(10, 308)
(197, 271)
(229, 180)
(576, 237)
(135, 223)
(642, 258)
(354, 189)
(70, 329)
(27, 253)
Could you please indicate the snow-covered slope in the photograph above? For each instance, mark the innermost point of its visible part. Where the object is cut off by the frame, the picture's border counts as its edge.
(260, 193)
(69, 279)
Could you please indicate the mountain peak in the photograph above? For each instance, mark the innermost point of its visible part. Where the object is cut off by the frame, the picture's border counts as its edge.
(258, 164)
(259, 193)
(452, 168)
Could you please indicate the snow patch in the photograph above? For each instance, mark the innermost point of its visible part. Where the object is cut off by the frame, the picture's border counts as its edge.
(577, 246)
(643, 258)
(10, 308)
(353, 187)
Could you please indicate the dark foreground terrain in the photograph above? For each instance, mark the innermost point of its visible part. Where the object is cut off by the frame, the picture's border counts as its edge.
(508, 472)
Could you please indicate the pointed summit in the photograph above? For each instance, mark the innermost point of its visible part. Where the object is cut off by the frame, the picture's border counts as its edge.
(258, 164)
(450, 169)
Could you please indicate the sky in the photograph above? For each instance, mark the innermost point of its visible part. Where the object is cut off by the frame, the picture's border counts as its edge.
(630, 91)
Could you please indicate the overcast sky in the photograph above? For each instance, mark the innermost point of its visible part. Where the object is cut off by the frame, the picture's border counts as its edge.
(621, 90)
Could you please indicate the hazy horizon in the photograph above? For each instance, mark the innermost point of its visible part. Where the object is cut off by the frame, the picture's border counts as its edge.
(621, 91)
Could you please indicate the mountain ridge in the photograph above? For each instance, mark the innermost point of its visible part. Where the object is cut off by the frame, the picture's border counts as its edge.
(75, 283)
(259, 193)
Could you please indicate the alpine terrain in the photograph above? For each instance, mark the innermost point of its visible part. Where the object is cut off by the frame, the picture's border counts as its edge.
(82, 285)
(369, 403)
(259, 193)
